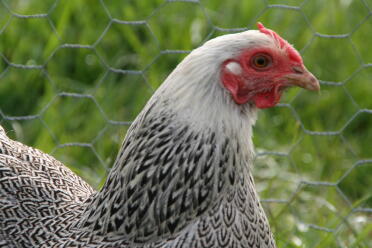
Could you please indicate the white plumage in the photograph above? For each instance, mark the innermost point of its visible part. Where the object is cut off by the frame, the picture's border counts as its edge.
(181, 179)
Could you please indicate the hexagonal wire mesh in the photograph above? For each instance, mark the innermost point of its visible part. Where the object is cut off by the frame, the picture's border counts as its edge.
(74, 76)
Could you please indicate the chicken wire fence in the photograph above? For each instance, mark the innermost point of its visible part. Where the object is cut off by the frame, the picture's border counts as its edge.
(73, 76)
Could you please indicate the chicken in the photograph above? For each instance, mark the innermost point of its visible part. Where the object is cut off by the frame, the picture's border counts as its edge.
(182, 177)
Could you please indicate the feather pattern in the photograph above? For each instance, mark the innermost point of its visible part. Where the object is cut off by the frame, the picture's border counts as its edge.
(182, 177)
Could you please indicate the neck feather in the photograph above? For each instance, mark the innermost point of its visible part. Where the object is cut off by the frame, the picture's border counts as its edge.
(185, 151)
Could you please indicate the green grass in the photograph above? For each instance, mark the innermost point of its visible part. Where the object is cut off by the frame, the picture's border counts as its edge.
(306, 215)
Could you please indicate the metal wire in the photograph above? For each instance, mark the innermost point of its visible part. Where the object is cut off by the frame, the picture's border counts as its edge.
(302, 189)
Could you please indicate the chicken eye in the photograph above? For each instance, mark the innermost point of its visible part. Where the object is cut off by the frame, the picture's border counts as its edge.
(261, 61)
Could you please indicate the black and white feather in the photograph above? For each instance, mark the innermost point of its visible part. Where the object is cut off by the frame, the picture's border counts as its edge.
(181, 179)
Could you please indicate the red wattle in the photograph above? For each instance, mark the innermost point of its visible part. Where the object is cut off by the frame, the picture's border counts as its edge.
(268, 99)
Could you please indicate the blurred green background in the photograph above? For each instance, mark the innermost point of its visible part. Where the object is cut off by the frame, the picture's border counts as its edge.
(73, 75)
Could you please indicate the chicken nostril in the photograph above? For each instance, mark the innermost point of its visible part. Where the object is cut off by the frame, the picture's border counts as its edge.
(298, 70)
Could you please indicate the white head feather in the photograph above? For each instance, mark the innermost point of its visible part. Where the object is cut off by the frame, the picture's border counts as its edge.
(194, 88)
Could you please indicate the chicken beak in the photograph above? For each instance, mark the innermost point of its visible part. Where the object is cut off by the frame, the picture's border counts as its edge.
(302, 78)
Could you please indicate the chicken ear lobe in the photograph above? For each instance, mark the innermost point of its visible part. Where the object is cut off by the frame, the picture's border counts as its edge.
(234, 84)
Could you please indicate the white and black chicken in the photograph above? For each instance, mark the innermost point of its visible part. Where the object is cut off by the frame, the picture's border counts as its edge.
(182, 177)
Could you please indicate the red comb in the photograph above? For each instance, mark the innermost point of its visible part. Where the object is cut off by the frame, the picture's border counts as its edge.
(292, 53)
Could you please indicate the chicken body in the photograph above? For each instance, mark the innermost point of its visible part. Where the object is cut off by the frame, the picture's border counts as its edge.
(182, 177)
(44, 201)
